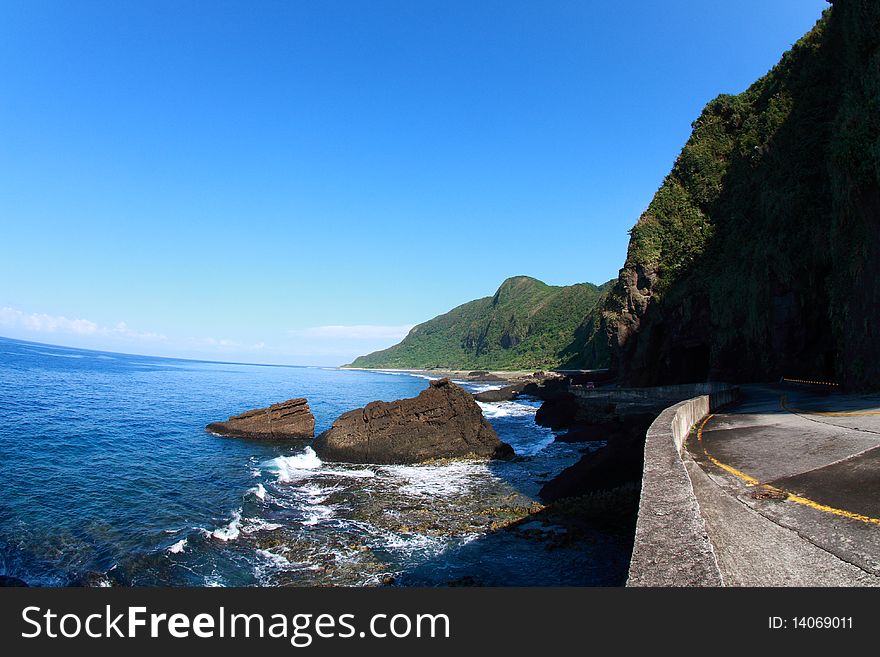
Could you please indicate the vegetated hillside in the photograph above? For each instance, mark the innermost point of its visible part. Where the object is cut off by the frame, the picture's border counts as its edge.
(526, 324)
(758, 256)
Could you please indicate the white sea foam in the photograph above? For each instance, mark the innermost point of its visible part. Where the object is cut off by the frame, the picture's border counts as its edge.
(314, 493)
(403, 542)
(447, 480)
(288, 469)
(259, 491)
(482, 387)
(506, 409)
(276, 560)
(411, 542)
(296, 467)
(260, 526)
(540, 437)
(317, 514)
(177, 548)
(231, 530)
(357, 474)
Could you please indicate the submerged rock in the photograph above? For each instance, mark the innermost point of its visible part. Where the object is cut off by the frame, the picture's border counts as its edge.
(502, 394)
(291, 419)
(443, 421)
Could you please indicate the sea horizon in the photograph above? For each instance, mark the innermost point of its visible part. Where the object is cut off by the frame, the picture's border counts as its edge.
(111, 479)
(193, 360)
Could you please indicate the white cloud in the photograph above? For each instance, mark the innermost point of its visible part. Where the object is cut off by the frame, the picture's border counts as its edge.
(313, 345)
(122, 329)
(224, 344)
(356, 332)
(43, 323)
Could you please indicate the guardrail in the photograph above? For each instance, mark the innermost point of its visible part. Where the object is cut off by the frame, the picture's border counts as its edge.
(671, 545)
(814, 383)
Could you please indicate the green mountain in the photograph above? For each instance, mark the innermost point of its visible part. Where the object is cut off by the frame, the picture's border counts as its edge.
(758, 256)
(527, 324)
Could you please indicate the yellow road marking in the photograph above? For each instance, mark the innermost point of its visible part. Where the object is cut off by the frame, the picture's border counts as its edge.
(797, 499)
(751, 481)
(830, 509)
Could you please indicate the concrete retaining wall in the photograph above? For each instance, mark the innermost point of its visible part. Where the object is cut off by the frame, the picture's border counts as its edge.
(671, 545)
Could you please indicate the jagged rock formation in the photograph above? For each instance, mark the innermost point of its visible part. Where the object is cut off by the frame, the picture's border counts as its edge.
(443, 421)
(289, 420)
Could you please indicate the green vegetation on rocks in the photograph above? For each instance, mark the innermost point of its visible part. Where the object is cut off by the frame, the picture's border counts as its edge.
(757, 257)
(526, 324)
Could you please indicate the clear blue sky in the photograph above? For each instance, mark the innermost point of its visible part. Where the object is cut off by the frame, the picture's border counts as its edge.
(298, 182)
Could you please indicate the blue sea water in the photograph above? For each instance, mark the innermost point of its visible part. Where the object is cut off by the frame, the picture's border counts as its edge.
(109, 478)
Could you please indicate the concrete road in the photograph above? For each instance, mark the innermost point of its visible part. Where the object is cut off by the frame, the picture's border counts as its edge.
(789, 486)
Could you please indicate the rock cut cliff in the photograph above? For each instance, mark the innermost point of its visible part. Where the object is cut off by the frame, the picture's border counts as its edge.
(758, 256)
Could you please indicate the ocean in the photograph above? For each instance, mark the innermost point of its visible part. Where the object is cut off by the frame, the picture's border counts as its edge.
(109, 478)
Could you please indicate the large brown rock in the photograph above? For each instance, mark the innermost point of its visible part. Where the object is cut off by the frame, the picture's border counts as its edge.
(442, 422)
(291, 419)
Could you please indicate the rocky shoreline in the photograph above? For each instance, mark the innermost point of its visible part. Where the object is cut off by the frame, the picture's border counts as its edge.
(442, 422)
(593, 496)
(481, 376)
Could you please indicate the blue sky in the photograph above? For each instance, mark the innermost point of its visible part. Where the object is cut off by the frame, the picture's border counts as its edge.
(300, 182)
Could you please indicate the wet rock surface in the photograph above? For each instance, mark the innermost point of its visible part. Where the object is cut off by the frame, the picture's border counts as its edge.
(539, 385)
(443, 421)
(507, 393)
(618, 463)
(289, 420)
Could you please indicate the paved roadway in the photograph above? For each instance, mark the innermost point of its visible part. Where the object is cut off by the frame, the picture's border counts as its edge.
(788, 482)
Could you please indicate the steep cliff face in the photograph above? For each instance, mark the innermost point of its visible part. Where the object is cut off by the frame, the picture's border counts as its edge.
(757, 257)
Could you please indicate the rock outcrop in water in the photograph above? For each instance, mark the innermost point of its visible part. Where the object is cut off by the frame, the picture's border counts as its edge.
(617, 464)
(507, 393)
(287, 420)
(441, 422)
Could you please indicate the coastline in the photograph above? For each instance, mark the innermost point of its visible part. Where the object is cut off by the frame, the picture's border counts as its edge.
(499, 376)
(276, 514)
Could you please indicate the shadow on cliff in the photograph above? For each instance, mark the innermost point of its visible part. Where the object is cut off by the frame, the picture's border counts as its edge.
(784, 284)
